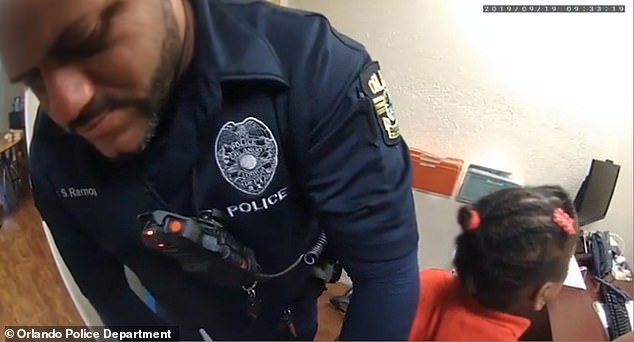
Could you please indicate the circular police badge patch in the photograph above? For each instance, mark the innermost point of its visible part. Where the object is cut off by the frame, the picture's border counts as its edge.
(247, 155)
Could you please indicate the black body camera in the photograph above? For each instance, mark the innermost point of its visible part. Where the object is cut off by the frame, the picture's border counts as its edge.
(201, 246)
(204, 247)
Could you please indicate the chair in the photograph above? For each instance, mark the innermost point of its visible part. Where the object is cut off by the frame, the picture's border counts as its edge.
(11, 183)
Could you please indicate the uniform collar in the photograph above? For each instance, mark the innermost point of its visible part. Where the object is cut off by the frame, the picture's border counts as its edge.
(228, 50)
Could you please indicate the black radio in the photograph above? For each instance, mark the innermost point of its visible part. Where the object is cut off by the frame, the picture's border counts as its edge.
(203, 246)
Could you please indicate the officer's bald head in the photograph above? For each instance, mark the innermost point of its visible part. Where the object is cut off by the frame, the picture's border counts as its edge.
(86, 58)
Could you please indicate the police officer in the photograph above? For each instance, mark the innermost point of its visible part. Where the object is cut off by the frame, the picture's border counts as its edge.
(266, 114)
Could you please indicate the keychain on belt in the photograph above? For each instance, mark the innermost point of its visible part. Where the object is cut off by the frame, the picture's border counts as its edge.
(253, 302)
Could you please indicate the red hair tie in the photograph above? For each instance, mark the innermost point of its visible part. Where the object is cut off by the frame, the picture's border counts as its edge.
(563, 220)
(474, 220)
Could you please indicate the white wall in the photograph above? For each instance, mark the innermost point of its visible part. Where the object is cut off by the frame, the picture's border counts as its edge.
(31, 104)
(539, 95)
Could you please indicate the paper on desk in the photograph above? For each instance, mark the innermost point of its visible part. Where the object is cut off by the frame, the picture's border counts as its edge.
(574, 277)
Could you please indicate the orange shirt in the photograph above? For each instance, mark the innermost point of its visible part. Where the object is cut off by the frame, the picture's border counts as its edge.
(446, 312)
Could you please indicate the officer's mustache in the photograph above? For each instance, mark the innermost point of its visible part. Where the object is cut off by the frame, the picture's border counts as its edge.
(102, 105)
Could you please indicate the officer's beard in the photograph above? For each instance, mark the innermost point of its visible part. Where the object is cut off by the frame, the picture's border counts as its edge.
(166, 73)
(152, 106)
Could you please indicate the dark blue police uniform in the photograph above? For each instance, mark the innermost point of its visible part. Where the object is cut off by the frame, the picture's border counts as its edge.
(286, 126)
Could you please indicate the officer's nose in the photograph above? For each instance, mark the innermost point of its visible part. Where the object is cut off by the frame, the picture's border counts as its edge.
(68, 91)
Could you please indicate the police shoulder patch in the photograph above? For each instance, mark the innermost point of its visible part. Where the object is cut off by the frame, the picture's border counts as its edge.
(375, 88)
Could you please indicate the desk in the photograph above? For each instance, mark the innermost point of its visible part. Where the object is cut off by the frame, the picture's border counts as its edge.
(571, 317)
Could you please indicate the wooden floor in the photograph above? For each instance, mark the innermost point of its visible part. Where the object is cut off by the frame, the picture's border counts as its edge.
(32, 292)
(330, 319)
(31, 289)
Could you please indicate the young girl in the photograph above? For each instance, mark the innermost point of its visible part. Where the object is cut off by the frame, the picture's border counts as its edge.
(511, 257)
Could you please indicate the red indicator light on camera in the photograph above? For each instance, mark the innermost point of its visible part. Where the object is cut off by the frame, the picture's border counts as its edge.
(175, 226)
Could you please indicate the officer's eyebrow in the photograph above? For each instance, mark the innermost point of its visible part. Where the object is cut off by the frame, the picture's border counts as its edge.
(105, 16)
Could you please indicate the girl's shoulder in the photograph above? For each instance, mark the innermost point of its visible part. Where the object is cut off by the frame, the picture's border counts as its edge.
(438, 281)
(437, 275)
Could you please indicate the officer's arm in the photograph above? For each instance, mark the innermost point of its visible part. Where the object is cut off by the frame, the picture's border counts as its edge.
(99, 276)
(359, 179)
